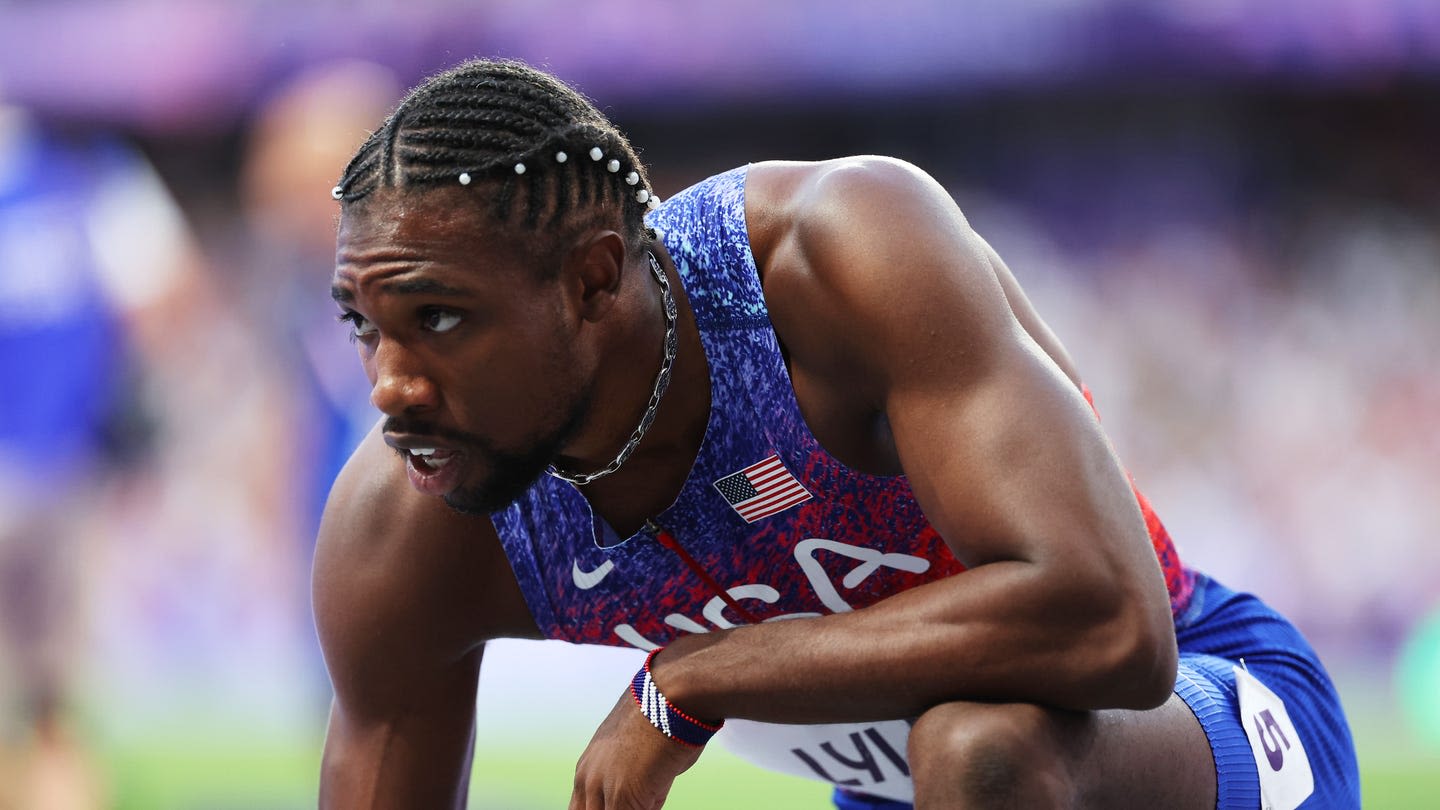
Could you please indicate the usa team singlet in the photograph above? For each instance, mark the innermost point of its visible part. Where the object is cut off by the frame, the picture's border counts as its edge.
(767, 526)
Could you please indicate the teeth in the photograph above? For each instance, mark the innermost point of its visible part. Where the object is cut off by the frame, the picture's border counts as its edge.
(423, 451)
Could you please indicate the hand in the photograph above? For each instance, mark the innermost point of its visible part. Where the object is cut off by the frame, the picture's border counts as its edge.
(629, 764)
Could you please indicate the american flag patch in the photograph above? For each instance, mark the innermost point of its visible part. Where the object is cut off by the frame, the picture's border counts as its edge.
(762, 489)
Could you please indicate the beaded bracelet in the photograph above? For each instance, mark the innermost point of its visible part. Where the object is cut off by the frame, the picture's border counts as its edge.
(663, 715)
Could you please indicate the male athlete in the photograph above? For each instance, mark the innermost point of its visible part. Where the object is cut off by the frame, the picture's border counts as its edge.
(807, 442)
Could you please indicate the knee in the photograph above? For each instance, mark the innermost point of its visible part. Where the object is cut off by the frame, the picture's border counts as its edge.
(987, 755)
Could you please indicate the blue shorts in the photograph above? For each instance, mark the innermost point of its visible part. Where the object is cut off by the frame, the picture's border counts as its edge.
(1217, 629)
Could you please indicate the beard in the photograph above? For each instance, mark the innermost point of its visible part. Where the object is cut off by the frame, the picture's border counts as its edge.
(510, 473)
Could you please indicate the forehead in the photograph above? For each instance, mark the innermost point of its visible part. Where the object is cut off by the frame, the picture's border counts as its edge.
(399, 231)
(433, 220)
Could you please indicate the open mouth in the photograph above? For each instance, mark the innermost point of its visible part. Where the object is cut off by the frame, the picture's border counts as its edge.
(432, 471)
(430, 460)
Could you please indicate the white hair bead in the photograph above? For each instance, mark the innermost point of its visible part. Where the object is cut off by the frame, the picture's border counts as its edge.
(464, 178)
(561, 157)
(654, 203)
(336, 193)
(519, 168)
(613, 166)
(642, 195)
(632, 178)
(595, 153)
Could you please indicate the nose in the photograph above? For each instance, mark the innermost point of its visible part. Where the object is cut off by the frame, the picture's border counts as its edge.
(400, 384)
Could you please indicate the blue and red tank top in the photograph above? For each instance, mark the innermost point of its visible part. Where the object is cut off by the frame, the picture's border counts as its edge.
(768, 526)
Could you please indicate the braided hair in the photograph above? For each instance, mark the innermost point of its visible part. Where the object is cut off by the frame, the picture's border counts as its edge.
(549, 157)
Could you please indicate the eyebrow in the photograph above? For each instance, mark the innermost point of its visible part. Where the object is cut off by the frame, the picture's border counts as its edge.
(422, 286)
(414, 286)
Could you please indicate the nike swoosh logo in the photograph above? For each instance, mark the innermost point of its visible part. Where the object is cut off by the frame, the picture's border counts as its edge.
(585, 580)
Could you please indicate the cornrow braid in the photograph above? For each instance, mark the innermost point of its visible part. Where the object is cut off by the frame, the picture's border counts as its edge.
(548, 156)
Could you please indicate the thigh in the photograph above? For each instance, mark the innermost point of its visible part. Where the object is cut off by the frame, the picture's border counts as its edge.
(1155, 758)
(1022, 755)
(1308, 732)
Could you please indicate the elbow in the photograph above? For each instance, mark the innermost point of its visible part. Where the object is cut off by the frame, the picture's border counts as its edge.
(1143, 661)
(1150, 674)
(1124, 648)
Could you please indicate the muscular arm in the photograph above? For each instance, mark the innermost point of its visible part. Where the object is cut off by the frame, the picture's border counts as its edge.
(405, 593)
(1063, 603)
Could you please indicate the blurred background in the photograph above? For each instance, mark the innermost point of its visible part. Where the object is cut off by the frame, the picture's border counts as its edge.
(1227, 209)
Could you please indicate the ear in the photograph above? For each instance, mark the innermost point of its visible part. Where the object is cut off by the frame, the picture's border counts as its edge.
(594, 265)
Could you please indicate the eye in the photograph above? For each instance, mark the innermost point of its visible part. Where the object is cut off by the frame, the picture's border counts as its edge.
(440, 320)
(359, 326)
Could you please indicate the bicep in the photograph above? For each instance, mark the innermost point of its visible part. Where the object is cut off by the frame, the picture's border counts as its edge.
(402, 717)
(1002, 453)
(1010, 464)
(405, 594)
(403, 711)
(404, 743)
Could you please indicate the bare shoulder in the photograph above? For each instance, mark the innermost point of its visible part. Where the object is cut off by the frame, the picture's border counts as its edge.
(878, 238)
(873, 277)
(867, 236)
(842, 201)
(399, 575)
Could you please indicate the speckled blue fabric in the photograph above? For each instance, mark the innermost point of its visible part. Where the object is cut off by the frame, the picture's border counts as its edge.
(854, 540)
(844, 541)
(857, 539)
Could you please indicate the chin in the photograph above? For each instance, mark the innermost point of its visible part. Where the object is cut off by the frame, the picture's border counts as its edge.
(496, 494)
(512, 473)
(469, 502)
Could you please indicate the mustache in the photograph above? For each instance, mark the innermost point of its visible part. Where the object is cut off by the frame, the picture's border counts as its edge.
(416, 427)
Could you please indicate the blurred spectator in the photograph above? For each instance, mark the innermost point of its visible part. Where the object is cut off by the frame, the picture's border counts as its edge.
(55, 771)
(89, 243)
(147, 466)
(298, 144)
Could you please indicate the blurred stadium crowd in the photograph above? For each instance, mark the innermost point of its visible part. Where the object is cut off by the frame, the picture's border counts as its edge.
(1246, 268)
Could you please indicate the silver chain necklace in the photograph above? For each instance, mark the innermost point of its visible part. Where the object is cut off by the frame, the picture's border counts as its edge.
(662, 381)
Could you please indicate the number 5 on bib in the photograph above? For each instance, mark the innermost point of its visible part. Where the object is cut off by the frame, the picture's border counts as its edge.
(1284, 769)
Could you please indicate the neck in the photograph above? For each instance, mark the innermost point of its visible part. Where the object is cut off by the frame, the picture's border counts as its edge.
(629, 338)
(652, 477)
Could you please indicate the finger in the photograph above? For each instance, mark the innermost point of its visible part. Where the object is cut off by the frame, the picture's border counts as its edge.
(583, 796)
(577, 796)
(625, 797)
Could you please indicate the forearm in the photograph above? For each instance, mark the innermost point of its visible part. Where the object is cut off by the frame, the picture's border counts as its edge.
(1003, 631)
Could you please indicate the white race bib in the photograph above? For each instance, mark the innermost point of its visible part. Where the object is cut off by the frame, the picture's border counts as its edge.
(868, 757)
(1285, 776)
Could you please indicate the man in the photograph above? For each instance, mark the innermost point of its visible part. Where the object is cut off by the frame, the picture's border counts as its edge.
(807, 441)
